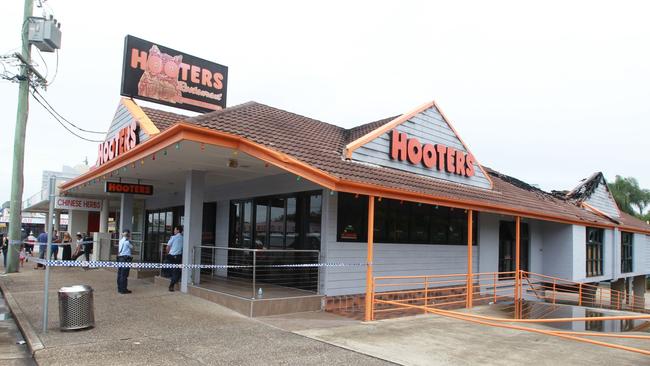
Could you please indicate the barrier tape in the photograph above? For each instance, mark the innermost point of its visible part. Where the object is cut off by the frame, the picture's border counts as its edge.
(111, 264)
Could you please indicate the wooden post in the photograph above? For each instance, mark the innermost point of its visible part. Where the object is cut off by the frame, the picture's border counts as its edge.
(369, 280)
(517, 274)
(470, 279)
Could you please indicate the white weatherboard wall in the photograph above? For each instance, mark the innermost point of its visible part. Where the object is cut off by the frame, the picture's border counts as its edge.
(389, 259)
(603, 201)
(580, 255)
(557, 250)
(489, 225)
(428, 127)
(647, 254)
(122, 119)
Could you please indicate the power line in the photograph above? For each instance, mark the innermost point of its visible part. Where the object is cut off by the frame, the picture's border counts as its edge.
(58, 120)
(63, 118)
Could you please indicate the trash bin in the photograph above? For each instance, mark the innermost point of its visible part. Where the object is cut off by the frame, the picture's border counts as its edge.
(76, 308)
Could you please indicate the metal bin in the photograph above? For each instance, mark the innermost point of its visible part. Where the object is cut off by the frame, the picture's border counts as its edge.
(76, 308)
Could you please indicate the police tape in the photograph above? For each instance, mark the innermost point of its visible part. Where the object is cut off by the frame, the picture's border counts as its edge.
(141, 265)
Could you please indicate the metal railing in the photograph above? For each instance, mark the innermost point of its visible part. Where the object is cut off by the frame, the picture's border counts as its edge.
(404, 295)
(259, 273)
(560, 291)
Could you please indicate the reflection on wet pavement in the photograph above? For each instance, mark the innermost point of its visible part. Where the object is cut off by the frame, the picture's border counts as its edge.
(12, 345)
(541, 310)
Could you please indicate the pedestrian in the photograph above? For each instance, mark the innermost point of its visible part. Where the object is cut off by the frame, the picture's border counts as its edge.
(4, 242)
(55, 248)
(66, 247)
(29, 246)
(84, 246)
(22, 255)
(175, 254)
(42, 248)
(124, 256)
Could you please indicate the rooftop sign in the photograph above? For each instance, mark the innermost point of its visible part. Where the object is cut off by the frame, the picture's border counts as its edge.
(163, 75)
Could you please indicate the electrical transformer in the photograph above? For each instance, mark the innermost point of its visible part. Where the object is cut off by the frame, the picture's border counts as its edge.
(45, 34)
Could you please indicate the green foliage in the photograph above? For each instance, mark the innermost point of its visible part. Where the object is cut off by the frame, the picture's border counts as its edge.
(629, 196)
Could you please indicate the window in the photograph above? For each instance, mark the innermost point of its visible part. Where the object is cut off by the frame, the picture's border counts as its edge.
(626, 251)
(594, 252)
(279, 222)
(353, 217)
(402, 222)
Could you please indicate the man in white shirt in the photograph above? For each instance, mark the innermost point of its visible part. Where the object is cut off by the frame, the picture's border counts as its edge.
(175, 254)
(124, 255)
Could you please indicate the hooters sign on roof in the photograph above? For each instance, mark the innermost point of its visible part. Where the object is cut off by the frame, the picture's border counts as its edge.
(422, 142)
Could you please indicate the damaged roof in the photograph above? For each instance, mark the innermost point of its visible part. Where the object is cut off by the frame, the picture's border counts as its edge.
(321, 145)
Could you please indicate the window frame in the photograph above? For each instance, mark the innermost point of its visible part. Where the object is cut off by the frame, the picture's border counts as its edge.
(627, 252)
(594, 252)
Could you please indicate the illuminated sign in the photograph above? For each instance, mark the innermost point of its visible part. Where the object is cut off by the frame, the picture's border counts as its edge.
(163, 75)
(117, 187)
(124, 140)
(439, 156)
(74, 203)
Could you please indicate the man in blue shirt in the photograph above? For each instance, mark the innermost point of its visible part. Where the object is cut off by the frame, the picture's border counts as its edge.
(175, 254)
(42, 248)
(124, 255)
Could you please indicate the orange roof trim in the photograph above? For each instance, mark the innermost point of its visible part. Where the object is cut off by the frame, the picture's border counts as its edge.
(184, 131)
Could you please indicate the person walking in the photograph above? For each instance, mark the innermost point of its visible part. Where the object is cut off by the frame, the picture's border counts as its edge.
(175, 254)
(124, 256)
(66, 247)
(84, 246)
(31, 240)
(42, 248)
(4, 242)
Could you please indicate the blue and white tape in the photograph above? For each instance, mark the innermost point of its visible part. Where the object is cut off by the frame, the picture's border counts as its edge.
(140, 265)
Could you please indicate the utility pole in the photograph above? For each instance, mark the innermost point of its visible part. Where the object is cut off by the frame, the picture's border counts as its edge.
(15, 213)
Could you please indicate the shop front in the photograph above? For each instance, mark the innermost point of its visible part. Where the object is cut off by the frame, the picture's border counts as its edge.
(276, 206)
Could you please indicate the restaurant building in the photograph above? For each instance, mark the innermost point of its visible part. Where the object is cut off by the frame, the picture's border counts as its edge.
(258, 189)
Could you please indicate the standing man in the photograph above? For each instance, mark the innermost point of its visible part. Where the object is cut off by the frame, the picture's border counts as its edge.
(124, 255)
(175, 254)
(42, 248)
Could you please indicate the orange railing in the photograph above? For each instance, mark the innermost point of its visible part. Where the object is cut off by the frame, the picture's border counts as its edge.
(447, 291)
(560, 291)
(401, 295)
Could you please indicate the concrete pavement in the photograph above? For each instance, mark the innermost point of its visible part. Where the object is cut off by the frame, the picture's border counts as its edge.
(154, 326)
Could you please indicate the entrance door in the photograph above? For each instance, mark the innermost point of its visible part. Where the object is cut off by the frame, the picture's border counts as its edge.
(507, 247)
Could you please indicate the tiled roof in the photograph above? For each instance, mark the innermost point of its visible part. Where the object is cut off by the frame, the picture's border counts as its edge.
(162, 119)
(628, 220)
(321, 146)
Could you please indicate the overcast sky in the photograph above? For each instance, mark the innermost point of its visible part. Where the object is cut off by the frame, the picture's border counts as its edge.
(548, 93)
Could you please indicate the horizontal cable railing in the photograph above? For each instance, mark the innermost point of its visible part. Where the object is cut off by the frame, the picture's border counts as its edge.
(255, 273)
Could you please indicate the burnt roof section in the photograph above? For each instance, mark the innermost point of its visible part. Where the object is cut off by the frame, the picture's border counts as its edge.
(321, 146)
(586, 187)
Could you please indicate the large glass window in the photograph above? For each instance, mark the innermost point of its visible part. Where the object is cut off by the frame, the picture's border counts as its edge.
(402, 222)
(594, 252)
(281, 222)
(626, 252)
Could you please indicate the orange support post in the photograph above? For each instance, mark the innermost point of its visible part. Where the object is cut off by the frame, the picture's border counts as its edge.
(495, 287)
(580, 294)
(470, 279)
(517, 272)
(553, 291)
(369, 281)
(426, 293)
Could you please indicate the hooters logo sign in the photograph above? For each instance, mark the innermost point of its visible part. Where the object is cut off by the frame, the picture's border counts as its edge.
(438, 156)
(124, 140)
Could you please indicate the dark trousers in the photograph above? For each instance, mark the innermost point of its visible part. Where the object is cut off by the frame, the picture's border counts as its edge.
(67, 252)
(42, 249)
(123, 273)
(176, 272)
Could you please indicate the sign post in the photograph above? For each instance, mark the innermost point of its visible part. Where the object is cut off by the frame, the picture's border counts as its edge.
(50, 233)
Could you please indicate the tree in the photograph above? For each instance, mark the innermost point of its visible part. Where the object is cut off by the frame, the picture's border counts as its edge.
(629, 195)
